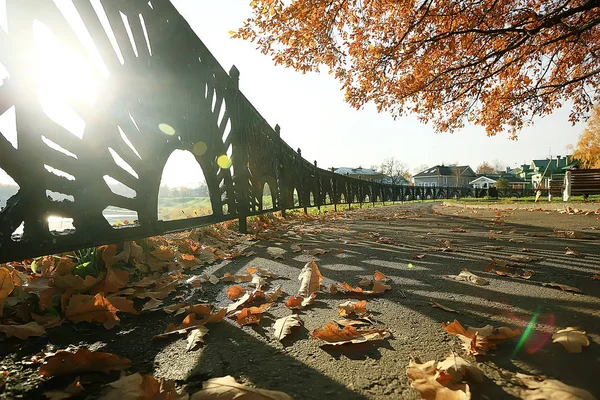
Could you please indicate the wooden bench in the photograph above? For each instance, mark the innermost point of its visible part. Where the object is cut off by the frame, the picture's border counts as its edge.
(581, 182)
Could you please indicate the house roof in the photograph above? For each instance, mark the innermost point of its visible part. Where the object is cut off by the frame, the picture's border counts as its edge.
(494, 177)
(445, 170)
(356, 171)
(555, 164)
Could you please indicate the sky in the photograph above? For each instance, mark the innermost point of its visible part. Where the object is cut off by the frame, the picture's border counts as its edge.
(313, 115)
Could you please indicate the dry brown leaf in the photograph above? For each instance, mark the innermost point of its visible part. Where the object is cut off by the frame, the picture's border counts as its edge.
(276, 252)
(456, 369)
(417, 256)
(354, 322)
(569, 234)
(23, 331)
(479, 340)
(300, 302)
(174, 307)
(596, 277)
(252, 315)
(467, 276)
(138, 387)
(560, 286)
(47, 321)
(76, 282)
(72, 390)
(503, 271)
(457, 230)
(226, 388)
(438, 305)
(152, 305)
(310, 279)
(423, 380)
(131, 250)
(164, 253)
(97, 309)
(235, 292)
(570, 252)
(492, 248)
(550, 389)
(114, 280)
(349, 307)
(525, 258)
(314, 252)
(196, 337)
(262, 272)
(283, 326)
(83, 360)
(247, 297)
(573, 339)
(236, 278)
(334, 336)
(272, 295)
(295, 248)
(380, 277)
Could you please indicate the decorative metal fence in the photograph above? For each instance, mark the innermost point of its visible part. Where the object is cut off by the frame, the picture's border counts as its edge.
(162, 90)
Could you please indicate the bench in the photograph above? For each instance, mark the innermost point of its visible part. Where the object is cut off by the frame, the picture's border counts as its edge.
(581, 182)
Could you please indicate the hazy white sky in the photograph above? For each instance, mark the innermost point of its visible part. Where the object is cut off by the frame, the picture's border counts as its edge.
(313, 115)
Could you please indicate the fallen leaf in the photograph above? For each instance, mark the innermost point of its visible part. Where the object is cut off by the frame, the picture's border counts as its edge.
(456, 369)
(97, 309)
(138, 387)
(492, 248)
(479, 340)
(354, 322)
(272, 295)
(467, 276)
(295, 248)
(76, 282)
(378, 276)
(23, 331)
(566, 288)
(569, 234)
(283, 326)
(573, 339)
(73, 389)
(258, 281)
(47, 321)
(540, 388)
(235, 292)
(164, 253)
(503, 271)
(83, 360)
(314, 252)
(196, 337)
(423, 380)
(252, 315)
(334, 336)
(174, 307)
(300, 302)
(525, 259)
(276, 252)
(596, 277)
(570, 252)
(236, 278)
(358, 307)
(262, 272)
(417, 256)
(242, 300)
(152, 305)
(310, 279)
(438, 305)
(457, 230)
(226, 388)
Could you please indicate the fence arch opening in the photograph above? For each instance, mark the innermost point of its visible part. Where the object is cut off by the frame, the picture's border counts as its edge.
(183, 191)
(342, 198)
(311, 199)
(267, 198)
(295, 198)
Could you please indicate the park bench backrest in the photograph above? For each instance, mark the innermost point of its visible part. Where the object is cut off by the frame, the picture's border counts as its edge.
(585, 181)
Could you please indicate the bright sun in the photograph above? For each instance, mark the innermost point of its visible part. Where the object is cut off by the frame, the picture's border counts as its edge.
(63, 77)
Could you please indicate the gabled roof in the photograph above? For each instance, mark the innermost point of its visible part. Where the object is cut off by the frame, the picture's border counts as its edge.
(509, 177)
(445, 170)
(356, 171)
(555, 164)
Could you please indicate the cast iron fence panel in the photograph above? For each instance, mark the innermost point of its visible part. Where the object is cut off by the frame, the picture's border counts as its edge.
(167, 93)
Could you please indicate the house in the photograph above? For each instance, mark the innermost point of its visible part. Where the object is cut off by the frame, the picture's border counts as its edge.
(542, 171)
(443, 175)
(371, 175)
(485, 181)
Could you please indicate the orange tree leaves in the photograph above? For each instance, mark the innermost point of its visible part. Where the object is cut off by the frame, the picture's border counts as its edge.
(449, 62)
(64, 362)
(333, 335)
(587, 150)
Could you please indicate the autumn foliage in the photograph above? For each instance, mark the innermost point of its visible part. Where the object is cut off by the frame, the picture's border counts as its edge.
(491, 63)
(587, 150)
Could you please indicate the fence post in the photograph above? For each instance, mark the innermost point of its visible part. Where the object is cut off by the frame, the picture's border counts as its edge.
(241, 157)
(567, 184)
(360, 192)
(318, 196)
(280, 169)
(333, 189)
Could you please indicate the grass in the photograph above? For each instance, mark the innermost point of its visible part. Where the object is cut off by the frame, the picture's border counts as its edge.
(527, 199)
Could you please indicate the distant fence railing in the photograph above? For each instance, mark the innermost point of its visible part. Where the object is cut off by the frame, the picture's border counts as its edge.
(164, 91)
